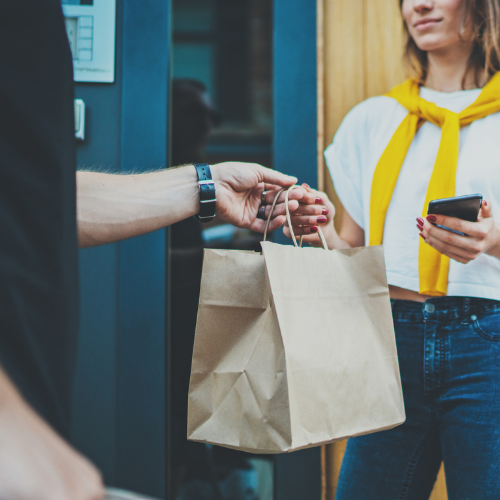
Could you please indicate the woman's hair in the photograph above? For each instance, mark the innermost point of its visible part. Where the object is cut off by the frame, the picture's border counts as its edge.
(481, 27)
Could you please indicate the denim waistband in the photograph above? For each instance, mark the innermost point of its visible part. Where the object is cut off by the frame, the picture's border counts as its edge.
(442, 308)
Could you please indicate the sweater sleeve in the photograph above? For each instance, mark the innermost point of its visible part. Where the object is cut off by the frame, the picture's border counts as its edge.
(344, 161)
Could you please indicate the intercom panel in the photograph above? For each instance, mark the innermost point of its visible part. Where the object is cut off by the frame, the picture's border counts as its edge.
(91, 25)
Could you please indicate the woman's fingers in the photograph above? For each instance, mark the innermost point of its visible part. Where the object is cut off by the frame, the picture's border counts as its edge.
(460, 248)
(300, 230)
(308, 220)
(462, 226)
(295, 208)
(447, 242)
(311, 210)
(448, 250)
(299, 193)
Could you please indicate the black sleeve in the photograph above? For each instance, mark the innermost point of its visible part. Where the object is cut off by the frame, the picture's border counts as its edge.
(38, 245)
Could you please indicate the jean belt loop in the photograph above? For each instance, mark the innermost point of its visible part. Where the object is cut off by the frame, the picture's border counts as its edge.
(466, 311)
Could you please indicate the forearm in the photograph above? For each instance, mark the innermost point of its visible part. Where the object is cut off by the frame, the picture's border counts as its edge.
(335, 242)
(332, 238)
(8, 392)
(114, 207)
(350, 235)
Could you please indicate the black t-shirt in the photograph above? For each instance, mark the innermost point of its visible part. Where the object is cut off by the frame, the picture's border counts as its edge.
(38, 245)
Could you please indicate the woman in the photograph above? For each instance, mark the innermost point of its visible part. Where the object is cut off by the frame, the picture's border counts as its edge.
(391, 156)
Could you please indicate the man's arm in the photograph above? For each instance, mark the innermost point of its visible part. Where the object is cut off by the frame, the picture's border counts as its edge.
(34, 461)
(114, 207)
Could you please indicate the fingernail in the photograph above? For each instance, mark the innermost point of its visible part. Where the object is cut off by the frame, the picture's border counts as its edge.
(313, 229)
(318, 201)
(325, 211)
(431, 218)
(420, 227)
(420, 221)
(485, 203)
(306, 185)
(422, 236)
(321, 220)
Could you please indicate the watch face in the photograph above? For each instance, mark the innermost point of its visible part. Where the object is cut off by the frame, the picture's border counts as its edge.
(114, 494)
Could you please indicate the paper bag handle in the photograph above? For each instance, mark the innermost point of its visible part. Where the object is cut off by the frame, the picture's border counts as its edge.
(289, 220)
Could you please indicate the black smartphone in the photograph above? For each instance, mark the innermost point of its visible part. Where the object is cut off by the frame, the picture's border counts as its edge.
(461, 207)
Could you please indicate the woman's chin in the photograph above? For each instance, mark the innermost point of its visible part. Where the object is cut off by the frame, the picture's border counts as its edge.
(429, 45)
(433, 43)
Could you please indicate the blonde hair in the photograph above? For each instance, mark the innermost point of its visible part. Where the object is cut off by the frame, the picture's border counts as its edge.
(483, 16)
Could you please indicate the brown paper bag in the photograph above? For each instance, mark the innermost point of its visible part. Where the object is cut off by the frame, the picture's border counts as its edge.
(294, 348)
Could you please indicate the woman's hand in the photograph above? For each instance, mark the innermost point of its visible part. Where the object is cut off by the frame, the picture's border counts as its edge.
(315, 210)
(482, 236)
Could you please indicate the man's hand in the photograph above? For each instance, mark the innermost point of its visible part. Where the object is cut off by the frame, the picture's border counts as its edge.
(114, 207)
(35, 463)
(239, 187)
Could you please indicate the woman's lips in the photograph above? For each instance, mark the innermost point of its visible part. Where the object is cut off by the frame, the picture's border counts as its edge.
(425, 24)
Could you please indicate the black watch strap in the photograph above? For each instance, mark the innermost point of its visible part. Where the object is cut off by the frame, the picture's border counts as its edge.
(207, 192)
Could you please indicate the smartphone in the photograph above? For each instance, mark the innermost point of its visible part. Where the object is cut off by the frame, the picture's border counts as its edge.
(461, 207)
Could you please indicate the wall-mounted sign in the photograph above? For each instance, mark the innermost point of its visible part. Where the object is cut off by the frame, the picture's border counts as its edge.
(90, 25)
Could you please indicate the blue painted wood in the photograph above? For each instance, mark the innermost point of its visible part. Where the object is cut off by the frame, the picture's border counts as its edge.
(298, 475)
(119, 395)
(295, 92)
(95, 385)
(142, 271)
(94, 397)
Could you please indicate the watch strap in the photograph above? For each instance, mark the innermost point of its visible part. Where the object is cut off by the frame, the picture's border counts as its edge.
(207, 192)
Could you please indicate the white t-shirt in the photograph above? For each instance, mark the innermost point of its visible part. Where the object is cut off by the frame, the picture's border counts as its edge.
(355, 152)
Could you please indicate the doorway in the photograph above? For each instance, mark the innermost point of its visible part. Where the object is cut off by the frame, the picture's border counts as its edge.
(222, 110)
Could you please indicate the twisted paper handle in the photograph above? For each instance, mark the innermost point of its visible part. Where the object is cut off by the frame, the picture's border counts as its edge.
(289, 220)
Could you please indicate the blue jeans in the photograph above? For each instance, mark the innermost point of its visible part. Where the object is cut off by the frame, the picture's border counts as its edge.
(449, 357)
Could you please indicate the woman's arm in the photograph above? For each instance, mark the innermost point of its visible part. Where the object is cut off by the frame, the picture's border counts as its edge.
(350, 232)
(319, 212)
(482, 236)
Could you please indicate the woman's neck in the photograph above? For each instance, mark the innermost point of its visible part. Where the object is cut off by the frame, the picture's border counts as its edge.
(446, 69)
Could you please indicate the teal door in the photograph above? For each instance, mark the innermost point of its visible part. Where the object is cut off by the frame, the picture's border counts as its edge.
(119, 397)
(121, 392)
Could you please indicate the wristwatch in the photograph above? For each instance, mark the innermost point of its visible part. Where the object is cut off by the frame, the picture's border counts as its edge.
(207, 192)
